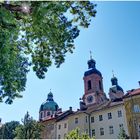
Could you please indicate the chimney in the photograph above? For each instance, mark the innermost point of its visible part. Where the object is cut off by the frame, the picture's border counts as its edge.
(59, 110)
(70, 108)
(139, 83)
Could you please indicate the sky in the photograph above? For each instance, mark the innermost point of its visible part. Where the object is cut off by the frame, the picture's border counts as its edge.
(114, 39)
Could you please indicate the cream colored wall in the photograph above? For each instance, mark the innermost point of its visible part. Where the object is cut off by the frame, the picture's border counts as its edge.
(82, 125)
(49, 130)
(63, 130)
(105, 123)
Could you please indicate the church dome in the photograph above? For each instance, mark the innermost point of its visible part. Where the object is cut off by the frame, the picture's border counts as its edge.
(92, 68)
(115, 85)
(49, 104)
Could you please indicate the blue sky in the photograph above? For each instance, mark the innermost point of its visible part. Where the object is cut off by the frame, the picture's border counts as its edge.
(114, 39)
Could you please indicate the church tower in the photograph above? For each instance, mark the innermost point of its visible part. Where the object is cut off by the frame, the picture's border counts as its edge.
(93, 85)
(115, 91)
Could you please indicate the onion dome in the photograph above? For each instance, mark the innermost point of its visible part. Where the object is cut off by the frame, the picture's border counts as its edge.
(115, 85)
(92, 68)
(49, 104)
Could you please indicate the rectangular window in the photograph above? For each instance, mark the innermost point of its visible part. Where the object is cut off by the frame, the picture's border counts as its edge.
(111, 131)
(59, 136)
(136, 108)
(92, 119)
(86, 119)
(100, 117)
(101, 131)
(93, 132)
(86, 131)
(76, 120)
(121, 126)
(109, 116)
(65, 125)
(59, 126)
(119, 113)
(48, 113)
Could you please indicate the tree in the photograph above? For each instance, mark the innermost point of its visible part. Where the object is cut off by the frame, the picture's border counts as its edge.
(35, 34)
(74, 134)
(122, 134)
(7, 130)
(30, 129)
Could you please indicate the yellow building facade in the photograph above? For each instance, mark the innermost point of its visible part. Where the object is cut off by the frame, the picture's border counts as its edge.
(132, 108)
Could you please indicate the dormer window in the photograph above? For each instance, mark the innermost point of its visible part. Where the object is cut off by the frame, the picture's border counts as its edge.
(89, 84)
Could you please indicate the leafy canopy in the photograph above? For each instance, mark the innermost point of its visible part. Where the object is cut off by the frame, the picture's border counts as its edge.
(7, 130)
(30, 129)
(122, 134)
(36, 34)
(74, 134)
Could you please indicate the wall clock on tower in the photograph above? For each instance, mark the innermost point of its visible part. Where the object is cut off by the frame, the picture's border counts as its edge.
(89, 98)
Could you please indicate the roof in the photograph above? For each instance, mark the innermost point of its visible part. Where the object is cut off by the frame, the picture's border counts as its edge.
(49, 119)
(49, 105)
(92, 71)
(106, 105)
(64, 115)
(132, 92)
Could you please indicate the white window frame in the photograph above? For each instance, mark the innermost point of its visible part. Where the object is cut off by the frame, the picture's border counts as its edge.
(109, 116)
(111, 130)
(119, 113)
(102, 131)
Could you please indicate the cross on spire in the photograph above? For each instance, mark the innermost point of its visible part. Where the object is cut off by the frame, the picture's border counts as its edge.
(113, 73)
(90, 54)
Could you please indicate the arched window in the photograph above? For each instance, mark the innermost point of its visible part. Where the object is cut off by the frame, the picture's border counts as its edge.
(89, 84)
(48, 113)
(41, 115)
(100, 85)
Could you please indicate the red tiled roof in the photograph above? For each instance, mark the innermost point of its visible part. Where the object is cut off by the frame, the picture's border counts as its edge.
(132, 92)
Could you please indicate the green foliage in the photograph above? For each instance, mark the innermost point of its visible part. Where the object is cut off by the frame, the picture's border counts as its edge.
(122, 134)
(37, 34)
(74, 134)
(7, 130)
(30, 129)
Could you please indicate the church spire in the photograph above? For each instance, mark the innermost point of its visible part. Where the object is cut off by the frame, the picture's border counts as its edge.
(114, 80)
(91, 62)
(90, 54)
(113, 73)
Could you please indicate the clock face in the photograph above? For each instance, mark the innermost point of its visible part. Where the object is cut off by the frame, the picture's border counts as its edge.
(89, 99)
